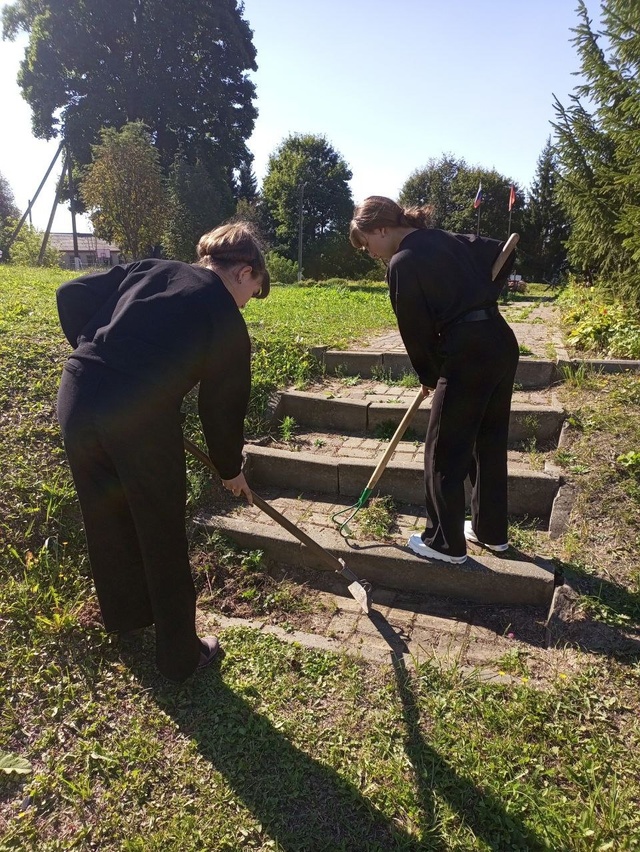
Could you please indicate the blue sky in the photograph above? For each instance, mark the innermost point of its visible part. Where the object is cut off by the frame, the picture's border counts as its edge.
(390, 86)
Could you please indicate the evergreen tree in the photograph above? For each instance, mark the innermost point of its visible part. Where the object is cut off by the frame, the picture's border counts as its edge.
(199, 199)
(545, 226)
(246, 183)
(599, 167)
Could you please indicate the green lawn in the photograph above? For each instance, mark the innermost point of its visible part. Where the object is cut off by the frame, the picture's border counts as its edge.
(280, 747)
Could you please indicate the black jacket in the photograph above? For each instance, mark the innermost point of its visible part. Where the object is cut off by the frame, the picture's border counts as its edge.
(434, 278)
(169, 325)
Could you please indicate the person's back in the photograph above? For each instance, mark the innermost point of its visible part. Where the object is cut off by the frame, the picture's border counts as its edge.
(155, 319)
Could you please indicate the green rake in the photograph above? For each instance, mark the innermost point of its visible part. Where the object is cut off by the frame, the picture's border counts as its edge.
(352, 511)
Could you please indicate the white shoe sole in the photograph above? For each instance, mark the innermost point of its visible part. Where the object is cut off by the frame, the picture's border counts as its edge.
(418, 546)
(471, 536)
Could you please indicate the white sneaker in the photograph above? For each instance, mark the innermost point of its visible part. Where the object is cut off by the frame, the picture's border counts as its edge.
(471, 536)
(418, 546)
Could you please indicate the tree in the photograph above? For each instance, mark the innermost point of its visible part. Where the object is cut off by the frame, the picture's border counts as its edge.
(308, 168)
(179, 67)
(598, 166)
(545, 226)
(26, 248)
(123, 190)
(434, 184)
(200, 198)
(9, 214)
(246, 183)
(450, 185)
(8, 207)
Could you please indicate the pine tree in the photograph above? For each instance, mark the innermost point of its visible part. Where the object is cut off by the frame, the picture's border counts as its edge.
(545, 224)
(597, 147)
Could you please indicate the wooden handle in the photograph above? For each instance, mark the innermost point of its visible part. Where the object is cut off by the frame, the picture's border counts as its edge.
(502, 258)
(262, 504)
(393, 443)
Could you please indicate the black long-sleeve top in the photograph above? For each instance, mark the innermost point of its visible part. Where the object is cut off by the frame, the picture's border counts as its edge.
(434, 278)
(171, 325)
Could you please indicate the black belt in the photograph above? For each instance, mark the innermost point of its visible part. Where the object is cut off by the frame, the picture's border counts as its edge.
(477, 315)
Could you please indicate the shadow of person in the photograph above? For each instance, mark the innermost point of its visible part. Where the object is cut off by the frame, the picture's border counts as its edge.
(435, 778)
(300, 802)
(304, 804)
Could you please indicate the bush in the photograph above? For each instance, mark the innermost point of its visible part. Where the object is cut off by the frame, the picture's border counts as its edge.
(596, 323)
(281, 269)
(26, 249)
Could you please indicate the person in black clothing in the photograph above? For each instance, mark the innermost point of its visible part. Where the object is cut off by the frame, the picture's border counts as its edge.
(445, 303)
(143, 335)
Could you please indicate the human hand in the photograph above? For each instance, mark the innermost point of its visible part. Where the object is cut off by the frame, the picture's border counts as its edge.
(238, 485)
(425, 391)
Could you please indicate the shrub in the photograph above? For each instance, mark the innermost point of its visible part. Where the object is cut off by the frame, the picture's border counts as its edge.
(281, 269)
(26, 249)
(597, 323)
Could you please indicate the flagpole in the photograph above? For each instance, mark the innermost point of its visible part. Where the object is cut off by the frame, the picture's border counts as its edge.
(512, 201)
(478, 228)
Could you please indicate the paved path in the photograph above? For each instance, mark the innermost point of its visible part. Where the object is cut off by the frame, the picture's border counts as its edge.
(535, 324)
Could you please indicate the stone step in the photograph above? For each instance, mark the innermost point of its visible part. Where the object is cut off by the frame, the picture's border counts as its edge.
(367, 363)
(326, 407)
(342, 465)
(489, 579)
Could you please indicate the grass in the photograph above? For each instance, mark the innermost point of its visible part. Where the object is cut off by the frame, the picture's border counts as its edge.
(377, 519)
(280, 747)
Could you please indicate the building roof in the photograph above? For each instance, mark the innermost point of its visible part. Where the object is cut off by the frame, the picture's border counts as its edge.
(86, 242)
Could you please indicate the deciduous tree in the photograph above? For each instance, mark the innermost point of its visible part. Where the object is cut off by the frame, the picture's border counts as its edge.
(123, 190)
(307, 167)
(9, 214)
(450, 186)
(180, 67)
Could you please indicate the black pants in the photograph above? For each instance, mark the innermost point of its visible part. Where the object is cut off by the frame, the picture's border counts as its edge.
(468, 435)
(125, 450)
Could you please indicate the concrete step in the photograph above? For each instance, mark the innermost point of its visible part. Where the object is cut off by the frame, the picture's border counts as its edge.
(370, 408)
(508, 579)
(368, 363)
(342, 465)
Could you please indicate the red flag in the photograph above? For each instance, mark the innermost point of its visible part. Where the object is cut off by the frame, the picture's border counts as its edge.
(477, 201)
(512, 197)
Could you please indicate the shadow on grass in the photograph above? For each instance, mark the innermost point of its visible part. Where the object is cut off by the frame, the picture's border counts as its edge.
(595, 615)
(483, 813)
(305, 805)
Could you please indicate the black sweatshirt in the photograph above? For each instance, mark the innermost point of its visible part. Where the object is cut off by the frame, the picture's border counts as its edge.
(170, 325)
(434, 278)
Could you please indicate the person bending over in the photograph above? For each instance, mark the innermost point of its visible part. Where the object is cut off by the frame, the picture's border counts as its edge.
(445, 302)
(143, 335)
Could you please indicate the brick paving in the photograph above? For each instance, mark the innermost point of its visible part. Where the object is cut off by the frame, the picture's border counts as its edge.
(535, 325)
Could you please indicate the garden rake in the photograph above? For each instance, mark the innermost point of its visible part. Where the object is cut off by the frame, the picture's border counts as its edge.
(360, 590)
(352, 511)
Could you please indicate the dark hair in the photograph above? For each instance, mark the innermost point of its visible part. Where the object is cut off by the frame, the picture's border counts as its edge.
(377, 211)
(233, 244)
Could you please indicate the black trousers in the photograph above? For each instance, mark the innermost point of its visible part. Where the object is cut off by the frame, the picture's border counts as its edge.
(125, 450)
(468, 434)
